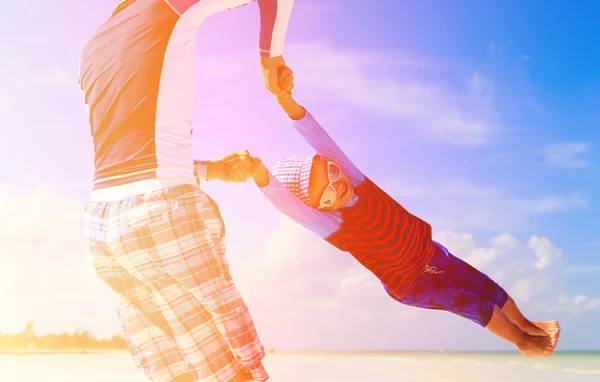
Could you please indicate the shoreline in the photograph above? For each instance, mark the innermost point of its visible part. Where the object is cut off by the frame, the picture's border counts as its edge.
(22, 352)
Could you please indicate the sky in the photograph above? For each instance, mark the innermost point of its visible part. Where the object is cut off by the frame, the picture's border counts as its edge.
(481, 118)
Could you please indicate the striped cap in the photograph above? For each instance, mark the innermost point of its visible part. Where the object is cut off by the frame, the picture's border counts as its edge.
(294, 173)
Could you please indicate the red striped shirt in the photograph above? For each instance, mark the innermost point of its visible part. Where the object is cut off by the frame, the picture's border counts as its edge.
(385, 238)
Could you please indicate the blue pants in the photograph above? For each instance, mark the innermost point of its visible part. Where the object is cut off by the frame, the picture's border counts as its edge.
(450, 284)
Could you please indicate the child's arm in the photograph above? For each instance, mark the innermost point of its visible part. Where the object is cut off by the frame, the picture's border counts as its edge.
(317, 137)
(321, 223)
(313, 133)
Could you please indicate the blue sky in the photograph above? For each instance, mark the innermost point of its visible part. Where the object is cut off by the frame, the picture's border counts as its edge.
(482, 118)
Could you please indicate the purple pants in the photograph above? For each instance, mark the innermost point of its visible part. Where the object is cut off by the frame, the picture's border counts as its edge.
(450, 284)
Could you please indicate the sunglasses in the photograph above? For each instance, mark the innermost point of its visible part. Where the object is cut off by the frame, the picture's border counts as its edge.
(329, 196)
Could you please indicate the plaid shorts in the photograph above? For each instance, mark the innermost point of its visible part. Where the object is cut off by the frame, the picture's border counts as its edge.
(163, 253)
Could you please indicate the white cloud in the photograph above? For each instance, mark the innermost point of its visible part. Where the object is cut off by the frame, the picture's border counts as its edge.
(583, 269)
(533, 273)
(554, 203)
(547, 254)
(46, 274)
(576, 304)
(565, 154)
(467, 206)
(391, 85)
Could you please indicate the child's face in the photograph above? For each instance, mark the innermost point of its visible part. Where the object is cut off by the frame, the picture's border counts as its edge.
(323, 173)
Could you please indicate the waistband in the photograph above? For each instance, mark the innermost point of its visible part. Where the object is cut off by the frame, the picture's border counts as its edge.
(127, 190)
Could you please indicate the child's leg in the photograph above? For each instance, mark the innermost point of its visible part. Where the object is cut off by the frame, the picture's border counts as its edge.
(477, 283)
(451, 284)
(529, 345)
(536, 328)
(505, 317)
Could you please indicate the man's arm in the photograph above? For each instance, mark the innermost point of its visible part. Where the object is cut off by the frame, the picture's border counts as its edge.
(211, 169)
(317, 137)
(274, 20)
(319, 222)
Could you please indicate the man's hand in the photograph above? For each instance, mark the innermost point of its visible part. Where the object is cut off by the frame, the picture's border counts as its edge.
(233, 167)
(260, 174)
(270, 67)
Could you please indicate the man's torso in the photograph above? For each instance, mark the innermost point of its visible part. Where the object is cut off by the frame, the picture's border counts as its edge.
(138, 76)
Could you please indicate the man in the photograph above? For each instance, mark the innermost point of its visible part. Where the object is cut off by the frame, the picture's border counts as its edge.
(329, 195)
(156, 238)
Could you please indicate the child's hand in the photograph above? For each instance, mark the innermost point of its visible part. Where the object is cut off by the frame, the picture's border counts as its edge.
(286, 79)
(270, 67)
(260, 174)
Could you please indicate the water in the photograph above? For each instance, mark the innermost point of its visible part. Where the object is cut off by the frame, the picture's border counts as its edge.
(327, 367)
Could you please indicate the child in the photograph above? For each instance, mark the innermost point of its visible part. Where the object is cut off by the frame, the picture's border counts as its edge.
(330, 196)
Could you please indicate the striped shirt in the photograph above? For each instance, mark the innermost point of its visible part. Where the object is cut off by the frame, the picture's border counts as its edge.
(138, 76)
(383, 236)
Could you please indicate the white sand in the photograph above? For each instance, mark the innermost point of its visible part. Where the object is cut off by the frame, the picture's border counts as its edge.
(365, 367)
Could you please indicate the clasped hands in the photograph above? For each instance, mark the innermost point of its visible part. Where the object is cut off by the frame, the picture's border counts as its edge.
(238, 166)
(272, 69)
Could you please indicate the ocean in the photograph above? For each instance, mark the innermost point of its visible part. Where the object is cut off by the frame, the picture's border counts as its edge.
(326, 367)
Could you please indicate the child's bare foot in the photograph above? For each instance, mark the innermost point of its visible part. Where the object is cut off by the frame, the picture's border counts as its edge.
(538, 346)
(555, 335)
(548, 327)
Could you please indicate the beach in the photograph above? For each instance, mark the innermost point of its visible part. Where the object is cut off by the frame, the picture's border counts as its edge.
(326, 367)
